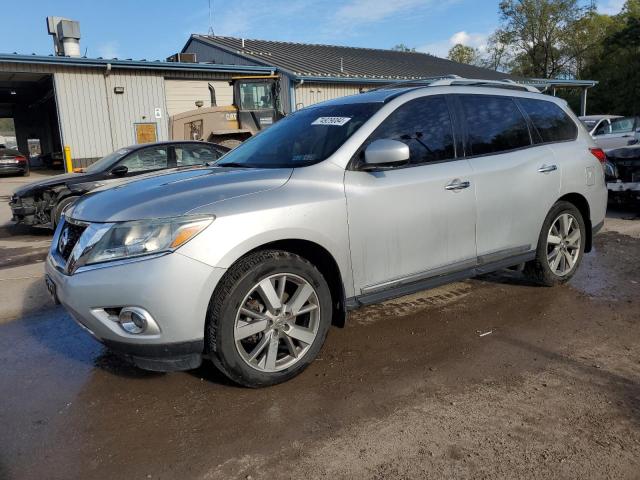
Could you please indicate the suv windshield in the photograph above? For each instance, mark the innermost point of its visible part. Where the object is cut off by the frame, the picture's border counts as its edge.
(303, 138)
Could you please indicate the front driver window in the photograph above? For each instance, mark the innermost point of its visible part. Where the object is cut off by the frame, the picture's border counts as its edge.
(424, 125)
(145, 159)
(603, 128)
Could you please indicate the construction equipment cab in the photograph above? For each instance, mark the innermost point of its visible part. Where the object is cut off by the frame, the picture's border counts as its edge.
(255, 107)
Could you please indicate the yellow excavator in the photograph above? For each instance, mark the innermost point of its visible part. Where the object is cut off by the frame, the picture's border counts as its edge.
(256, 106)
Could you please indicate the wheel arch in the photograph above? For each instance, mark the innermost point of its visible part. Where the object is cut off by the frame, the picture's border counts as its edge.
(324, 261)
(581, 203)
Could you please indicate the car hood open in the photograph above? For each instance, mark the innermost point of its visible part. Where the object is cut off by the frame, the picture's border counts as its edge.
(174, 193)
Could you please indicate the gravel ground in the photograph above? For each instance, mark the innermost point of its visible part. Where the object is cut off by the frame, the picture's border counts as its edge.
(488, 378)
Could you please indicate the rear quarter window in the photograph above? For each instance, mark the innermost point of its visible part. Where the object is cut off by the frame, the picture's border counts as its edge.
(551, 123)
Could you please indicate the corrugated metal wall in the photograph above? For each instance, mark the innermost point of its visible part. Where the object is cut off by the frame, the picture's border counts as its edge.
(310, 93)
(212, 54)
(82, 111)
(143, 94)
(182, 94)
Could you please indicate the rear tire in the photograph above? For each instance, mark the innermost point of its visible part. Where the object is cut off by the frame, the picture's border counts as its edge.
(560, 246)
(284, 304)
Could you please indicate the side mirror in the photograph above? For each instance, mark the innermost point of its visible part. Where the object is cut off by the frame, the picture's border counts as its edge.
(386, 153)
(119, 171)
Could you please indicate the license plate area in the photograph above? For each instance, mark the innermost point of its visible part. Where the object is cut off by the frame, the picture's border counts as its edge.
(52, 289)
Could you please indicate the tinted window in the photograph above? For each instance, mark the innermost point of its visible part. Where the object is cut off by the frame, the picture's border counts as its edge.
(550, 121)
(494, 124)
(194, 154)
(425, 125)
(303, 138)
(152, 158)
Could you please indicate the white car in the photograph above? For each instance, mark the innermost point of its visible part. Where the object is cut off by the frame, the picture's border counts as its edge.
(612, 131)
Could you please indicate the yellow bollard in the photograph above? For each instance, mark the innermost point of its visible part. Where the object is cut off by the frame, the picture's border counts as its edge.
(67, 159)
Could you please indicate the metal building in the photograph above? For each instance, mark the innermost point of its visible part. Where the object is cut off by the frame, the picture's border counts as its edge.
(313, 73)
(96, 106)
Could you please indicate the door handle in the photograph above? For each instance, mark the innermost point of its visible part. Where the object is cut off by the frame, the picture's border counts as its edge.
(547, 168)
(457, 185)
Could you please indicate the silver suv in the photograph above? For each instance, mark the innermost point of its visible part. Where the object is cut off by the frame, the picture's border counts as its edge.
(342, 204)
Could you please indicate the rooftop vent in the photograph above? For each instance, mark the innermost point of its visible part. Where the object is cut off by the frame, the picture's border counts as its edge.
(66, 36)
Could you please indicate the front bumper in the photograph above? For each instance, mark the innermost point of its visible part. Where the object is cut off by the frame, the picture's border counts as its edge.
(174, 289)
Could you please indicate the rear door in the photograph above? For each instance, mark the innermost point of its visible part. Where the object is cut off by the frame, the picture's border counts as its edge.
(408, 223)
(516, 182)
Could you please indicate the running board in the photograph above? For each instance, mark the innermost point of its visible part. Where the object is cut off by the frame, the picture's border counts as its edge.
(436, 281)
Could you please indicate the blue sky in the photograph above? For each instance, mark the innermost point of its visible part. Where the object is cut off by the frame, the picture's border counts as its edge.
(155, 29)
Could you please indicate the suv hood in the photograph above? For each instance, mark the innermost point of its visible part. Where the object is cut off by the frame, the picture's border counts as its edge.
(175, 193)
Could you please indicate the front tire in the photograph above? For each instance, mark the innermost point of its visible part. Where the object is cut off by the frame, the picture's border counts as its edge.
(268, 318)
(560, 246)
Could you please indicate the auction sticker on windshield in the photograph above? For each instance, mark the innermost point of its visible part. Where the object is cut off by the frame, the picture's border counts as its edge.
(337, 121)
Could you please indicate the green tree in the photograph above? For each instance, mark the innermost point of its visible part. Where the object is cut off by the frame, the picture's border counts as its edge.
(497, 53)
(539, 34)
(617, 66)
(401, 47)
(463, 54)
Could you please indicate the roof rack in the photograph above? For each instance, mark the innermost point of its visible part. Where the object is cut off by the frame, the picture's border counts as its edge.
(455, 80)
(418, 82)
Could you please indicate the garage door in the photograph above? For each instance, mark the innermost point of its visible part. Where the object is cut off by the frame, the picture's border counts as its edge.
(182, 95)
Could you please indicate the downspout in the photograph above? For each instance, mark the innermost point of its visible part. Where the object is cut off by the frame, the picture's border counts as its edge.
(107, 72)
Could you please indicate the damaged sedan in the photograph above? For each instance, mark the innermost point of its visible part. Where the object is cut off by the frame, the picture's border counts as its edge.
(42, 203)
(623, 174)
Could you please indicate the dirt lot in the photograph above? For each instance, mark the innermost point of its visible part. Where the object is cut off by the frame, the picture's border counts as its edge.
(489, 378)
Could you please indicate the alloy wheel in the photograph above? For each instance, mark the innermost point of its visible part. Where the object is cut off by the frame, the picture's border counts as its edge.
(277, 322)
(563, 244)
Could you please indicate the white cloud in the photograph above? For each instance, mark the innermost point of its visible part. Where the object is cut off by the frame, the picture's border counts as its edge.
(611, 7)
(109, 49)
(369, 11)
(357, 13)
(441, 48)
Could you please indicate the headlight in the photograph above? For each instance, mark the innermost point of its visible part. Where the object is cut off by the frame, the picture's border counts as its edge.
(142, 237)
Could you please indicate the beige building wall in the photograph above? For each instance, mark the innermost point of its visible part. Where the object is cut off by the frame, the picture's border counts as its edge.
(182, 95)
(310, 93)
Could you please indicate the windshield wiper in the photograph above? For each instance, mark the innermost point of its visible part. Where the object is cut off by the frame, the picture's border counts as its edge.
(230, 164)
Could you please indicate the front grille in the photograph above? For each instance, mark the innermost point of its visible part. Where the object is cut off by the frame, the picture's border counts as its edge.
(69, 236)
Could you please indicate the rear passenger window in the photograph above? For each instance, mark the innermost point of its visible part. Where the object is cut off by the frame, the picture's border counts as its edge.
(494, 124)
(550, 121)
(424, 125)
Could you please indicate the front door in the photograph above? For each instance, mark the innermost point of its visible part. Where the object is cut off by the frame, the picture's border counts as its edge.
(417, 220)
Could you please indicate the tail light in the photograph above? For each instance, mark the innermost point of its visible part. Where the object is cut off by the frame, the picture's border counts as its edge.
(21, 158)
(599, 154)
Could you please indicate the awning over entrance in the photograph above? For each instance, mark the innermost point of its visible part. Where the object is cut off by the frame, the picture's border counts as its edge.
(553, 84)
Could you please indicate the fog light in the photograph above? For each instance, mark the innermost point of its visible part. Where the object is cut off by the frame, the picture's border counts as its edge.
(133, 320)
